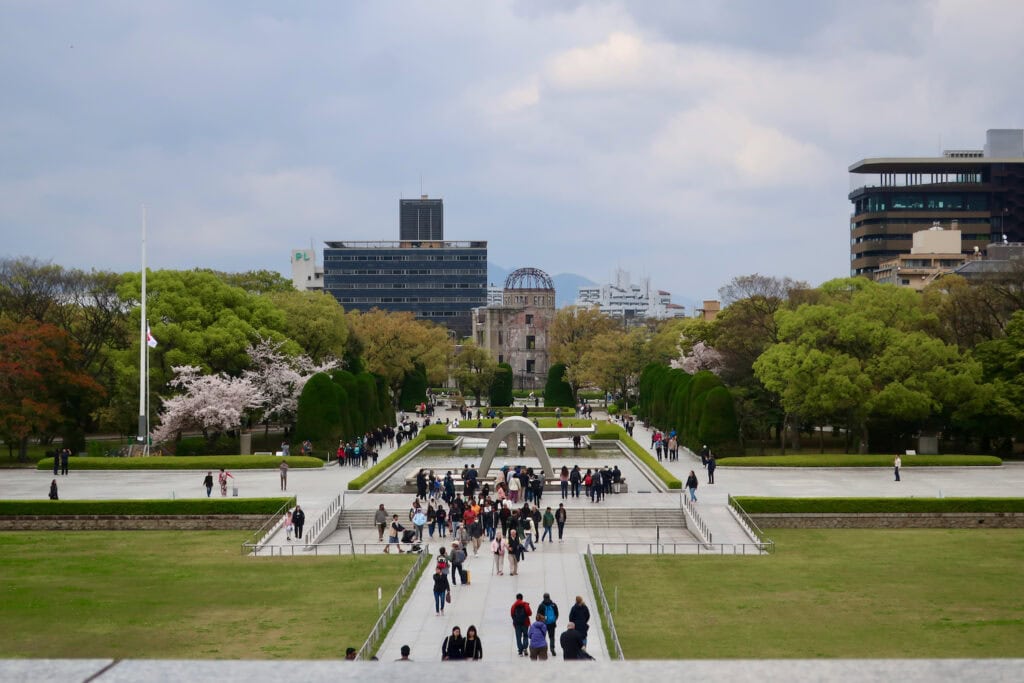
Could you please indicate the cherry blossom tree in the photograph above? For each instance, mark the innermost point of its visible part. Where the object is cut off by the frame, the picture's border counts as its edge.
(212, 404)
(279, 379)
(701, 357)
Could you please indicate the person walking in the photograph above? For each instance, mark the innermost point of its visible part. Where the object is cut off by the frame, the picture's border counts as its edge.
(288, 525)
(575, 478)
(560, 516)
(299, 520)
(284, 475)
(691, 486)
(65, 455)
(473, 649)
(548, 522)
(538, 636)
(515, 552)
(380, 520)
(208, 483)
(573, 645)
(419, 520)
(563, 482)
(406, 650)
(498, 548)
(579, 615)
(395, 535)
(521, 613)
(896, 464)
(458, 558)
(454, 646)
(222, 478)
(712, 464)
(53, 490)
(549, 609)
(441, 588)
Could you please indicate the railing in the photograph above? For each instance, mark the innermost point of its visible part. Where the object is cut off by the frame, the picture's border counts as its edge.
(602, 604)
(380, 629)
(694, 521)
(327, 517)
(268, 529)
(671, 548)
(316, 549)
(748, 525)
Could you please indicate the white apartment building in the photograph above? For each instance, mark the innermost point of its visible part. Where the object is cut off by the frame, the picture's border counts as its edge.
(626, 300)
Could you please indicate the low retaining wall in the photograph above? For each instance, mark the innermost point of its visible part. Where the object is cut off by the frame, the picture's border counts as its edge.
(132, 522)
(893, 520)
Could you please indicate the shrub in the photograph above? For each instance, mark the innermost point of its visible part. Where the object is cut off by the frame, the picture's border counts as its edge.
(501, 387)
(319, 412)
(414, 389)
(759, 505)
(186, 462)
(557, 391)
(180, 506)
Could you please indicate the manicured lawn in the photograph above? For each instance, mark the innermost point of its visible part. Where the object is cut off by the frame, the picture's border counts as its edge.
(852, 460)
(170, 595)
(181, 506)
(763, 505)
(846, 593)
(186, 462)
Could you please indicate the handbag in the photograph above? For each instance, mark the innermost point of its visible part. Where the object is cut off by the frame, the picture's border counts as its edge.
(448, 597)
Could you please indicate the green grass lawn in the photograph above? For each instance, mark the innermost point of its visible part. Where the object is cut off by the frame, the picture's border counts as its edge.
(853, 460)
(846, 593)
(182, 595)
(186, 462)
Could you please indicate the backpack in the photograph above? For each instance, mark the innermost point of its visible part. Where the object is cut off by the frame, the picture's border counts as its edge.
(442, 564)
(519, 617)
(549, 614)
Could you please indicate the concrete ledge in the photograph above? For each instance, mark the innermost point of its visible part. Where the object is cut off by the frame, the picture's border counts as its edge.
(893, 520)
(132, 522)
(420, 669)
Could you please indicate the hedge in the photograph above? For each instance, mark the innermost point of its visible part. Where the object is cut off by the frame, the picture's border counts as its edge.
(852, 460)
(437, 432)
(755, 505)
(186, 462)
(180, 506)
(607, 431)
(557, 391)
(501, 386)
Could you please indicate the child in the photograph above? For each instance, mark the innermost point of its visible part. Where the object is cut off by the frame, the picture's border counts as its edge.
(288, 525)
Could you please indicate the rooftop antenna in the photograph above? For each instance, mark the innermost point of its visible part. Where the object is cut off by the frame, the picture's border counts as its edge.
(421, 183)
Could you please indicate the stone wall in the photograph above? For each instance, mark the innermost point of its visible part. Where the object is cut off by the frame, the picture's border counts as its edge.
(132, 522)
(893, 520)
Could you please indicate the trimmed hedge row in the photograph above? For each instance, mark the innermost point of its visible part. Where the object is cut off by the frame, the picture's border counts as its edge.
(180, 506)
(851, 460)
(755, 505)
(186, 462)
(607, 431)
(697, 406)
(436, 432)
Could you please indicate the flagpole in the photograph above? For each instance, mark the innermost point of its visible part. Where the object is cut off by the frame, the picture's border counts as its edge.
(143, 347)
(145, 450)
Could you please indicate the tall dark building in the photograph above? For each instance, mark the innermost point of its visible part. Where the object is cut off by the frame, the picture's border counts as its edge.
(421, 219)
(982, 190)
(438, 281)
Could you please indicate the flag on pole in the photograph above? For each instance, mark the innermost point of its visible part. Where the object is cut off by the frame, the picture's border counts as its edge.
(150, 339)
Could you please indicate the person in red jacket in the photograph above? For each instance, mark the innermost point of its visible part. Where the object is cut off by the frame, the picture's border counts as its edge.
(521, 614)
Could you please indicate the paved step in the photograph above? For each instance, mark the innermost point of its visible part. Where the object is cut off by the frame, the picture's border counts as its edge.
(588, 517)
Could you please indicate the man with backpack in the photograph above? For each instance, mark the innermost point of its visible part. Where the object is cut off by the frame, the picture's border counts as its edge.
(521, 614)
(550, 611)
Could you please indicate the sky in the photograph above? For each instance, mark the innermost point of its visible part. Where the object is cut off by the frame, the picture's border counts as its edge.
(689, 142)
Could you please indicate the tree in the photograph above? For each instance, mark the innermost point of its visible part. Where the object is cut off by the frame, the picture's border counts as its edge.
(254, 281)
(214, 404)
(278, 380)
(557, 392)
(570, 335)
(613, 362)
(319, 412)
(861, 353)
(474, 371)
(501, 387)
(42, 387)
(393, 344)
(315, 321)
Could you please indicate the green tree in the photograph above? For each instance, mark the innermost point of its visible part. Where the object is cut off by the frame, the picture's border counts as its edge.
(414, 389)
(501, 387)
(315, 321)
(571, 332)
(557, 392)
(613, 362)
(474, 370)
(319, 413)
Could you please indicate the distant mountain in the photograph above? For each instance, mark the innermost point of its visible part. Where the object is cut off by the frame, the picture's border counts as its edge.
(566, 284)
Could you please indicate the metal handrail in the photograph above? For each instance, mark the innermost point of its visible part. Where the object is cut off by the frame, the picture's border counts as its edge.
(602, 603)
(269, 527)
(748, 525)
(692, 516)
(680, 548)
(331, 513)
(380, 629)
(315, 549)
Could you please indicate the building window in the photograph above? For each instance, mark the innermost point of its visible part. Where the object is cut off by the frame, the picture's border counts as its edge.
(501, 339)
(480, 338)
(529, 318)
(531, 341)
(531, 366)
(501, 358)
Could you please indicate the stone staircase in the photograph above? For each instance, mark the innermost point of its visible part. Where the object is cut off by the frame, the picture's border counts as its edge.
(595, 517)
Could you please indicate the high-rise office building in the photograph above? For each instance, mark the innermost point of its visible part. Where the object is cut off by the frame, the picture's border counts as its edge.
(982, 190)
(420, 219)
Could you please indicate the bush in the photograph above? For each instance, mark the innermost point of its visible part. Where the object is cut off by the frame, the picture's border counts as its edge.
(501, 387)
(853, 460)
(755, 505)
(613, 409)
(592, 395)
(186, 462)
(557, 391)
(180, 506)
(319, 418)
(414, 389)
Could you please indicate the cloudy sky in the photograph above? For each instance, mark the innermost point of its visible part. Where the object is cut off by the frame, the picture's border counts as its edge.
(687, 141)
